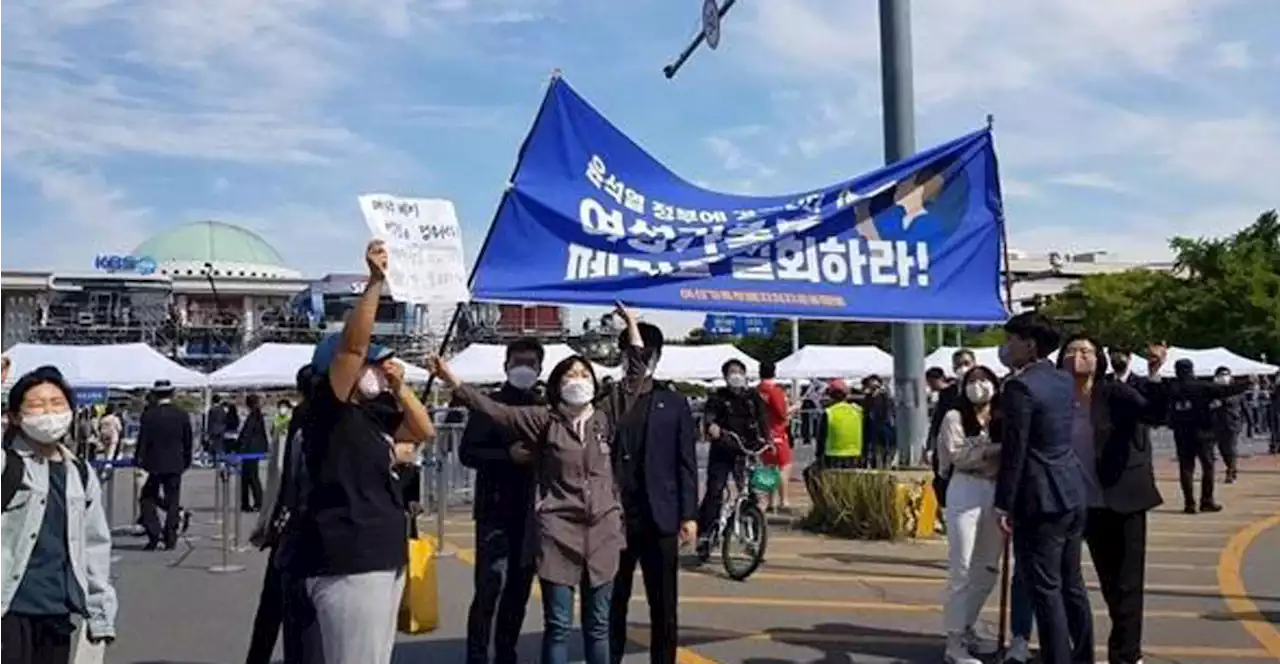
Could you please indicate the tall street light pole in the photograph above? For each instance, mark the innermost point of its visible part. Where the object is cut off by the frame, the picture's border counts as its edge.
(900, 143)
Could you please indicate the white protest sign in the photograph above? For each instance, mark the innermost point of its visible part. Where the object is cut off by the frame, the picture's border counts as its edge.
(424, 247)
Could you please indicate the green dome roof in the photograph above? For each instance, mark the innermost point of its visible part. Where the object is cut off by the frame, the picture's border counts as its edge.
(231, 249)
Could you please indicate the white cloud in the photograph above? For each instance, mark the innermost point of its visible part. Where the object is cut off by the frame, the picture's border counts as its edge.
(734, 159)
(1089, 181)
(1233, 55)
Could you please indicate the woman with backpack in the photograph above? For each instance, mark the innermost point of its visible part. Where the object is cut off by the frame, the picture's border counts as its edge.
(57, 543)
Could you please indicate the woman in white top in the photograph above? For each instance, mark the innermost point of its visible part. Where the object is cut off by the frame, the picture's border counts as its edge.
(969, 456)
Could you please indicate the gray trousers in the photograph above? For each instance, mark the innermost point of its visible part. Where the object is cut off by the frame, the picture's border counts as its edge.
(357, 615)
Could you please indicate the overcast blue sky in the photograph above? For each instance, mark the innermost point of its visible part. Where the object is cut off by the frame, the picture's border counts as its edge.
(1118, 124)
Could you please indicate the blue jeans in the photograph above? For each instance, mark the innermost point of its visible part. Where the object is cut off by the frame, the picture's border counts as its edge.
(1021, 612)
(557, 618)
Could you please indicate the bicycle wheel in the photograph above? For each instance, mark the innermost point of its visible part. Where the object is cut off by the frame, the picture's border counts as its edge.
(750, 531)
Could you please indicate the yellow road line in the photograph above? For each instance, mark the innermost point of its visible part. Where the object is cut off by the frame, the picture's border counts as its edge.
(683, 655)
(900, 607)
(813, 638)
(892, 579)
(1236, 595)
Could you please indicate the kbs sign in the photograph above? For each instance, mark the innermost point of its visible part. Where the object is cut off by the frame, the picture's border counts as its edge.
(113, 263)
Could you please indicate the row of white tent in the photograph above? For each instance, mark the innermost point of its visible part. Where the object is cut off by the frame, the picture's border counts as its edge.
(128, 366)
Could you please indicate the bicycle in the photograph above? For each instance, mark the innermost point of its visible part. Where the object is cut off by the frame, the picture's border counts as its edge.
(741, 518)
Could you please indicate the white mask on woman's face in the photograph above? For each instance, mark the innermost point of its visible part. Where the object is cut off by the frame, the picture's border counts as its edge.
(577, 392)
(370, 384)
(736, 380)
(46, 428)
(979, 391)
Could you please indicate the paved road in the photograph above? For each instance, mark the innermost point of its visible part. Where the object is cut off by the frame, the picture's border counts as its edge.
(1213, 594)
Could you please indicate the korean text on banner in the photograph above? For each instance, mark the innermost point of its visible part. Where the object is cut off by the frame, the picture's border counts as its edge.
(424, 245)
(590, 218)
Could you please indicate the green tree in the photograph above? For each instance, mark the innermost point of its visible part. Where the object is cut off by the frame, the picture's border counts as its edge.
(1222, 292)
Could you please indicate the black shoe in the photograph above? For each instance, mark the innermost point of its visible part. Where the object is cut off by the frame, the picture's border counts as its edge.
(1211, 507)
(1189, 509)
(151, 545)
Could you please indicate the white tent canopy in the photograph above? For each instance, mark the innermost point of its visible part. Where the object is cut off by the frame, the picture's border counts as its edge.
(1207, 360)
(484, 363)
(276, 365)
(814, 361)
(701, 362)
(122, 366)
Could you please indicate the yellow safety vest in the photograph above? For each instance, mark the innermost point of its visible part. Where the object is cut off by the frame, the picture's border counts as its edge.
(844, 430)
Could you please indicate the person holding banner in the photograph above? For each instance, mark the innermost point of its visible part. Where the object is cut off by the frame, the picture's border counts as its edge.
(658, 474)
(577, 513)
(351, 539)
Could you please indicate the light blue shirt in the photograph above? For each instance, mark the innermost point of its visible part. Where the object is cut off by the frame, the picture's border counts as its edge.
(88, 536)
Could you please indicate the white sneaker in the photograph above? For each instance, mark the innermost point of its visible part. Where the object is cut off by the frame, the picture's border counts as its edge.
(956, 652)
(1019, 651)
(978, 644)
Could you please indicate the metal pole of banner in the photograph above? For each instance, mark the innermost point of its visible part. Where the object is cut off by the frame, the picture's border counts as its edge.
(899, 143)
(795, 348)
(225, 567)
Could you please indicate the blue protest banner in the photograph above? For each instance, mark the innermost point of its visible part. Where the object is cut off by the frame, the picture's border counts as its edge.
(590, 218)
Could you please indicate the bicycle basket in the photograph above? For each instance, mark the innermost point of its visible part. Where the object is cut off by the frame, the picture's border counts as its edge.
(765, 479)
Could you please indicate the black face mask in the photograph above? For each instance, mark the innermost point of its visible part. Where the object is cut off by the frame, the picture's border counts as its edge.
(1120, 367)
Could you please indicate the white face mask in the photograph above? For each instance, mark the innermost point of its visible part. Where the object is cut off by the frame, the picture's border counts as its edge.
(979, 391)
(370, 384)
(522, 377)
(652, 368)
(47, 428)
(961, 371)
(736, 380)
(1223, 380)
(284, 410)
(577, 392)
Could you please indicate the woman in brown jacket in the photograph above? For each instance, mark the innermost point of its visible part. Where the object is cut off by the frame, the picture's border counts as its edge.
(577, 511)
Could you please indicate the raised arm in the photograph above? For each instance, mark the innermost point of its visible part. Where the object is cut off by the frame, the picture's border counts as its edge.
(353, 350)
(526, 422)
(417, 426)
(634, 362)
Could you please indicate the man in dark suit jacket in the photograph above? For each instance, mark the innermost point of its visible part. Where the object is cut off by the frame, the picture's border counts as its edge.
(1042, 490)
(164, 450)
(657, 468)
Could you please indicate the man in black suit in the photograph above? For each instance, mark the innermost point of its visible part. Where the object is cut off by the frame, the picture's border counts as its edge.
(1042, 491)
(1191, 418)
(1122, 411)
(164, 450)
(657, 469)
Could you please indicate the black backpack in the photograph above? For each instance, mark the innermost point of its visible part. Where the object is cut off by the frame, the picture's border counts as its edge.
(12, 480)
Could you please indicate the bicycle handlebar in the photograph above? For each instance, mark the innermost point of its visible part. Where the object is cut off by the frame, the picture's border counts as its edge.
(736, 440)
